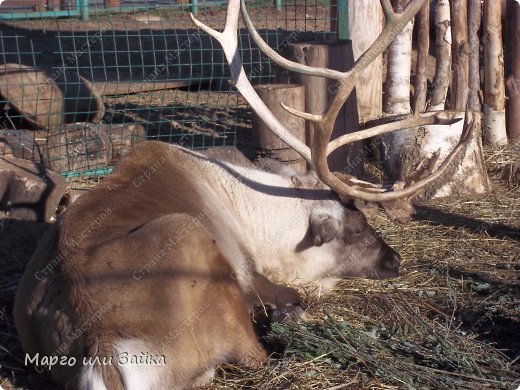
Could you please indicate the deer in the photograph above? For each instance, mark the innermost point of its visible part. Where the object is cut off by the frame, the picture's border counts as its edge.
(147, 280)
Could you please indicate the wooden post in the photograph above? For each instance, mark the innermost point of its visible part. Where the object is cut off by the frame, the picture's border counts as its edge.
(423, 47)
(112, 3)
(397, 97)
(399, 58)
(319, 91)
(494, 88)
(443, 40)
(365, 20)
(460, 54)
(273, 95)
(474, 21)
(513, 81)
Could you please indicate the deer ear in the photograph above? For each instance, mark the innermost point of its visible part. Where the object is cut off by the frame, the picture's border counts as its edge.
(324, 228)
(357, 222)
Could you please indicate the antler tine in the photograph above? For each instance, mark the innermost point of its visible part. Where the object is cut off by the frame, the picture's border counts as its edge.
(388, 10)
(282, 61)
(357, 192)
(324, 127)
(421, 119)
(229, 42)
(347, 80)
(394, 25)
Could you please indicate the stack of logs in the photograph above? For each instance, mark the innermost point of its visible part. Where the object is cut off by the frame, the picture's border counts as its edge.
(63, 112)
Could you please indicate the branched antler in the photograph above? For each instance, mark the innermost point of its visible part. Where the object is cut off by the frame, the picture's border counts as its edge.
(347, 187)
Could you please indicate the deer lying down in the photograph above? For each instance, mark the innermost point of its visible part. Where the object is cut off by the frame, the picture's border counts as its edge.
(166, 255)
(163, 259)
(167, 329)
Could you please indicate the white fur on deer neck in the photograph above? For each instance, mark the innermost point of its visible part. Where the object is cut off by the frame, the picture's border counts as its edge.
(269, 214)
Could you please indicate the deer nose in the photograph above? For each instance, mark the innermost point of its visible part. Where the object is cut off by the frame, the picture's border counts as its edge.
(393, 260)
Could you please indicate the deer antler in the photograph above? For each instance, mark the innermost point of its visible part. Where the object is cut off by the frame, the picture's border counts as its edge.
(324, 123)
(229, 42)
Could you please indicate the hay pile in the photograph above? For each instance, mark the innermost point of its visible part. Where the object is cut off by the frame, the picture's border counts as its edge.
(451, 321)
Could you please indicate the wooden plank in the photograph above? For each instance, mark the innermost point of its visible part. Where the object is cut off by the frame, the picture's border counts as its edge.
(108, 88)
(319, 92)
(273, 95)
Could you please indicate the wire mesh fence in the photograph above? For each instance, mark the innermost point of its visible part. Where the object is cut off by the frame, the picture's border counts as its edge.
(81, 92)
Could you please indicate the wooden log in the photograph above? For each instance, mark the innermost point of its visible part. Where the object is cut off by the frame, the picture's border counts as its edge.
(112, 3)
(118, 88)
(78, 147)
(122, 137)
(399, 65)
(49, 98)
(397, 94)
(273, 95)
(423, 48)
(466, 175)
(22, 144)
(319, 92)
(474, 21)
(443, 42)
(494, 87)
(365, 21)
(28, 191)
(460, 54)
(513, 61)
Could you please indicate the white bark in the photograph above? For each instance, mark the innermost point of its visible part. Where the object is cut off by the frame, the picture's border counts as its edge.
(398, 74)
(469, 175)
(494, 126)
(443, 43)
(494, 87)
(397, 95)
(403, 151)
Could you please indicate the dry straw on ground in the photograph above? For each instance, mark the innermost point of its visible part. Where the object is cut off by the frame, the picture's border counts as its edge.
(451, 321)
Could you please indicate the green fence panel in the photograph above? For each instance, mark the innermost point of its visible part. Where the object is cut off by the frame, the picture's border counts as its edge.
(140, 64)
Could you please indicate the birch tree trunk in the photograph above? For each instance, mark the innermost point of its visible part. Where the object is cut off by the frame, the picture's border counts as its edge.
(366, 20)
(397, 87)
(494, 89)
(397, 97)
(460, 54)
(474, 21)
(404, 151)
(513, 81)
(443, 41)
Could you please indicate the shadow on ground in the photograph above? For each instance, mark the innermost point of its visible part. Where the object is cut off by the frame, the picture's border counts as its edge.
(18, 240)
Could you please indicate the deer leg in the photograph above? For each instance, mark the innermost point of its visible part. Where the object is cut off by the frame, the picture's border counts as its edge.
(263, 292)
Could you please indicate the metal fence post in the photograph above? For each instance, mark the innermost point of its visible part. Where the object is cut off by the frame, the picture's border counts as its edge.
(194, 7)
(343, 19)
(83, 6)
(339, 18)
